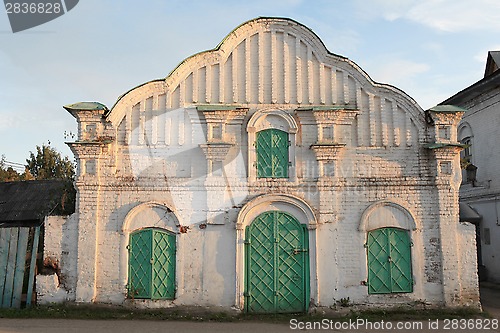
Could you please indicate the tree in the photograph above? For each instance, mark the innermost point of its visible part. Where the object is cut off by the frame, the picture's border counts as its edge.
(48, 164)
(8, 174)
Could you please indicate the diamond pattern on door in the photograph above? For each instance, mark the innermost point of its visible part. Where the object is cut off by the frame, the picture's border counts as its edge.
(140, 264)
(261, 265)
(163, 265)
(277, 264)
(272, 154)
(152, 264)
(401, 276)
(389, 261)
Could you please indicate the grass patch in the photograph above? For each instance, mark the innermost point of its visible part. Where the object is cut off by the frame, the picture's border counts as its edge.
(104, 312)
(109, 312)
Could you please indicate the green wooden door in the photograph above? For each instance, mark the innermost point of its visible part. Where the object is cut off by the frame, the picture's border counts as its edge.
(389, 261)
(272, 154)
(277, 264)
(151, 264)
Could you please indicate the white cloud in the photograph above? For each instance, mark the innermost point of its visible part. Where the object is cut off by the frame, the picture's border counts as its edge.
(9, 120)
(482, 55)
(398, 71)
(442, 15)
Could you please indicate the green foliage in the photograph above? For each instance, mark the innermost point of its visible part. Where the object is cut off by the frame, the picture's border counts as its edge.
(464, 163)
(345, 302)
(8, 174)
(47, 163)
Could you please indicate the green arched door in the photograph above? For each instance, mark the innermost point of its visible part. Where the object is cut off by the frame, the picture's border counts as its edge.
(151, 264)
(277, 264)
(389, 261)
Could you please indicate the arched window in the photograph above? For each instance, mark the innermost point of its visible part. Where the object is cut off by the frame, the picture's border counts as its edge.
(389, 261)
(271, 151)
(466, 155)
(151, 264)
(272, 154)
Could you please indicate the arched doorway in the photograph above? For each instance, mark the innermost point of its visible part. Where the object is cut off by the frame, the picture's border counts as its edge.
(151, 264)
(389, 261)
(150, 251)
(276, 264)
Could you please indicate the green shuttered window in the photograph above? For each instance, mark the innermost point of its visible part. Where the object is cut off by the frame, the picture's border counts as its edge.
(389, 261)
(272, 154)
(151, 264)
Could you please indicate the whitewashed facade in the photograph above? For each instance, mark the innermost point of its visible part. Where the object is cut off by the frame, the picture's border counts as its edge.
(181, 157)
(479, 129)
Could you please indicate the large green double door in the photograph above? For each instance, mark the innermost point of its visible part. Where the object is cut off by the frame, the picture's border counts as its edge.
(277, 264)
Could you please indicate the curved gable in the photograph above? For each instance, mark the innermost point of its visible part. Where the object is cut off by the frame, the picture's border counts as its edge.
(280, 63)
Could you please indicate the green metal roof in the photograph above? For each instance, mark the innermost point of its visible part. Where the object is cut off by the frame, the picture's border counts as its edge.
(86, 106)
(326, 107)
(217, 107)
(447, 109)
(436, 145)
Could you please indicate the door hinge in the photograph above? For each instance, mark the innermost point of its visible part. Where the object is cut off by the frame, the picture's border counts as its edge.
(246, 242)
(290, 163)
(289, 143)
(297, 251)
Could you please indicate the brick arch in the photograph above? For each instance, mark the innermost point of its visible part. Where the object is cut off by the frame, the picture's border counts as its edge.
(272, 118)
(386, 213)
(282, 202)
(165, 219)
(464, 131)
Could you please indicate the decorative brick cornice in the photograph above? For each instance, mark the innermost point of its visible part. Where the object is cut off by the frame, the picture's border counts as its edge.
(327, 151)
(87, 149)
(444, 150)
(227, 114)
(216, 150)
(445, 115)
(332, 114)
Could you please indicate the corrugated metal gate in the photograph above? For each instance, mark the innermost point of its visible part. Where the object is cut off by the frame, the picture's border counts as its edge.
(151, 264)
(389, 261)
(18, 254)
(277, 264)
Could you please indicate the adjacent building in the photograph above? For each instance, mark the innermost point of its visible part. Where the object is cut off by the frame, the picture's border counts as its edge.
(270, 175)
(479, 130)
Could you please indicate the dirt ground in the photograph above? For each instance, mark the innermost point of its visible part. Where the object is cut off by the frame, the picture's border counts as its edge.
(490, 296)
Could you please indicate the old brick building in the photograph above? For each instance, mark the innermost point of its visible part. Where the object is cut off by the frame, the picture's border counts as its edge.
(268, 174)
(480, 190)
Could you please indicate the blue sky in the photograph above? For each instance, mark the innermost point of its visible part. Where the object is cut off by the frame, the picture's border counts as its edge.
(431, 49)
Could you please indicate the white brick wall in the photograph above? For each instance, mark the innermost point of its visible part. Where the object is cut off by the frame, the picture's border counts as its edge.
(484, 196)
